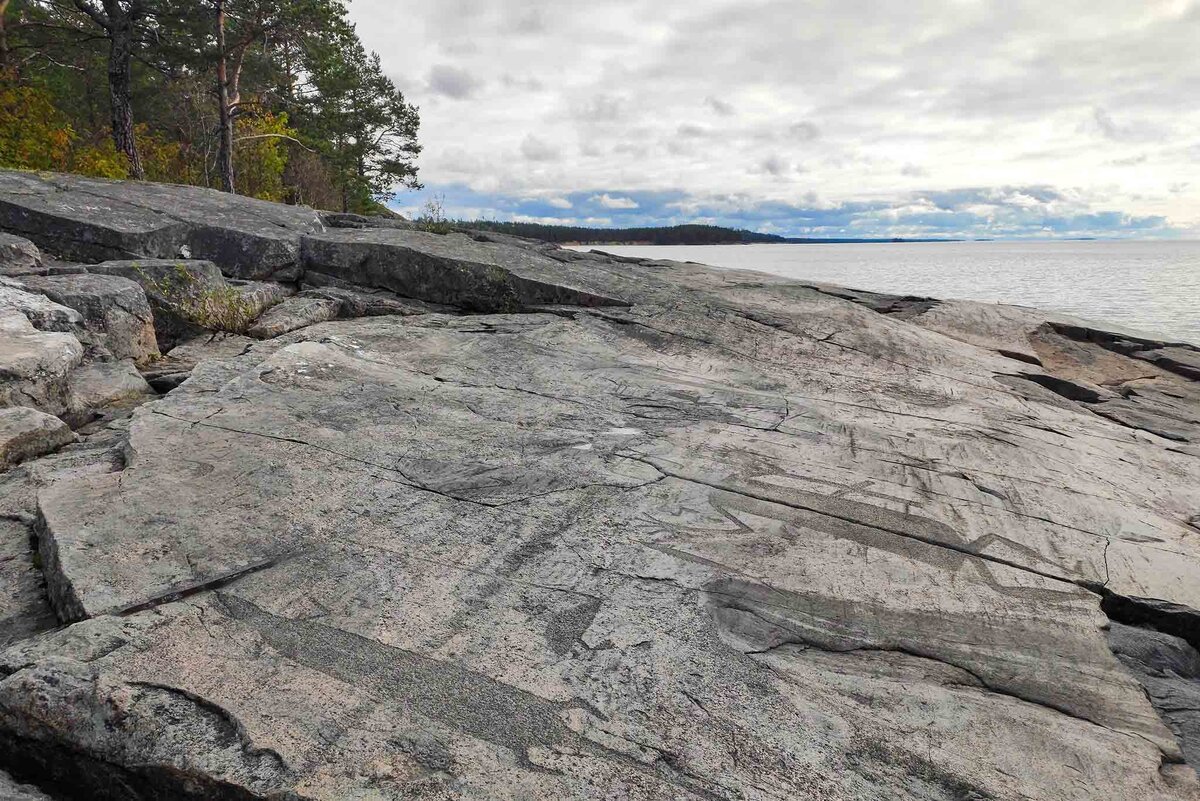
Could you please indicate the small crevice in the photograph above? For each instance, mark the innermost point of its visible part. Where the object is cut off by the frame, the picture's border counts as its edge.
(206, 586)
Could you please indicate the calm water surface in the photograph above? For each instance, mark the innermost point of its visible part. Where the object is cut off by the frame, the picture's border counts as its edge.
(1152, 286)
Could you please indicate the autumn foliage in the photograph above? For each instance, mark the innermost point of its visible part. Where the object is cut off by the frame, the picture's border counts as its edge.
(307, 113)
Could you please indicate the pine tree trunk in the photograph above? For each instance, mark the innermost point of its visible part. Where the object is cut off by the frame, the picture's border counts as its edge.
(225, 155)
(120, 86)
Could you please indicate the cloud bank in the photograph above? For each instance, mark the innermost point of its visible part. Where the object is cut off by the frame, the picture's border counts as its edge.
(838, 118)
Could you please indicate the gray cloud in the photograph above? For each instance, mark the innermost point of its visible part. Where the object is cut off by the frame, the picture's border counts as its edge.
(1095, 97)
(774, 165)
(720, 106)
(804, 131)
(598, 108)
(536, 149)
(452, 82)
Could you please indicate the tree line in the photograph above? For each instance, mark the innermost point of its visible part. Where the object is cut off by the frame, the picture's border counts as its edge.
(673, 235)
(277, 99)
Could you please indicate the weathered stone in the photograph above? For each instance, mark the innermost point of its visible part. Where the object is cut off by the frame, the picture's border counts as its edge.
(356, 303)
(165, 282)
(27, 433)
(1169, 668)
(114, 310)
(330, 303)
(101, 386)
(153, 274)
(450, 268)
(19, 256)
(34, 365)
(12, 790)
(43, 313)
(723, 542)
(1178, 359)
(296, 312)
(24, 606)
(737, 538)
(95, 220)
(360, 221)
(261, 295)
(176, 367)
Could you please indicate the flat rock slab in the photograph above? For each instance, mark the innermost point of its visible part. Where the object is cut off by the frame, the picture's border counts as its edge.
(95, 220)
(27, 433)
(575, 554)
(669, 532)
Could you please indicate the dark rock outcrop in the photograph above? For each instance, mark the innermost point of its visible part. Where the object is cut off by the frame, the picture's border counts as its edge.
(94, 220)
(449, 268)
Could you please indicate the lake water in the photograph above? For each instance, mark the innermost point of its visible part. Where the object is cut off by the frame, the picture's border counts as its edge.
(1151, 286)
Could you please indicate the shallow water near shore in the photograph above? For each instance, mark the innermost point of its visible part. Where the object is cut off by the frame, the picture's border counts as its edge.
(1151, 286)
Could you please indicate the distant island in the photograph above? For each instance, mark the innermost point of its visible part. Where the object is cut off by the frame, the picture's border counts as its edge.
(671, 235)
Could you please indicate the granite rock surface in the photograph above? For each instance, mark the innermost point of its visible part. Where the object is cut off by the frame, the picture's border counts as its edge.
(561, 525)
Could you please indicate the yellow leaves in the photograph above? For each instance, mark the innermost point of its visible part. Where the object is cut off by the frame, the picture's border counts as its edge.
(100, 160)
(260, 155)
(34, 135)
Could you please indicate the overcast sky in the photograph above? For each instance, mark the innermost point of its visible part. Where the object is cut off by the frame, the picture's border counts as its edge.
(838, 118)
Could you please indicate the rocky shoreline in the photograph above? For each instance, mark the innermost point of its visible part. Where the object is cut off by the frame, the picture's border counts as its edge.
(471, 516)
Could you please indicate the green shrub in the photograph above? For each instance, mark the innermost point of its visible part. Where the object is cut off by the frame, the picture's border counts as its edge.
(433, 216)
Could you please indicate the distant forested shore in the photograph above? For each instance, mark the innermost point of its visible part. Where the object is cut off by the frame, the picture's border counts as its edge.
(668, 235)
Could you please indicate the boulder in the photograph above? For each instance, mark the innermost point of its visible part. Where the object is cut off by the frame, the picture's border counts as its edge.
(43, 313)
(101, 387)
(165, 282)
(296, 312)
(330, 303)
(261, 295)
(34, 365)
(19, 256)
(114, 310)
(27, 433)
(93, 220)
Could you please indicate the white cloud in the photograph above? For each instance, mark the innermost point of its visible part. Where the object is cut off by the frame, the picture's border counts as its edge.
(560, 203)
(882, 99)
(610, 202)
